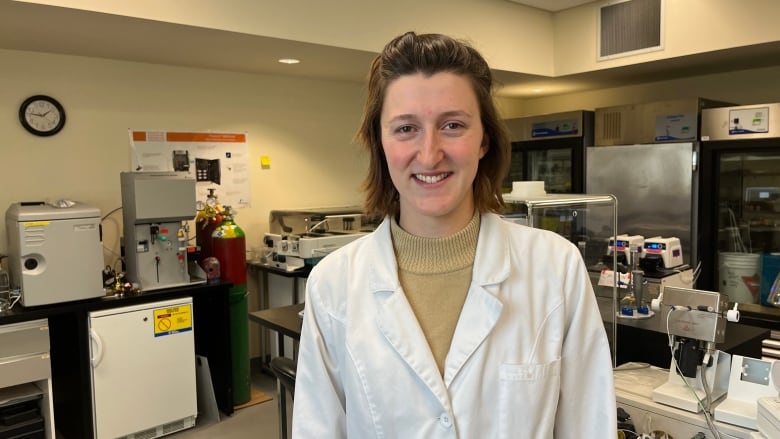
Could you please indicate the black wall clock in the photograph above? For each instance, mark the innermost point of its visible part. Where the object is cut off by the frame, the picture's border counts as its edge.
(42, 115)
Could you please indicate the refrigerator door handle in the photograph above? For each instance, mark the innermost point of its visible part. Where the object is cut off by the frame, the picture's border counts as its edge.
(97, 353)
(694, 160)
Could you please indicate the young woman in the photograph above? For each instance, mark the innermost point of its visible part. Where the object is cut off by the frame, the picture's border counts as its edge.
(447, 321)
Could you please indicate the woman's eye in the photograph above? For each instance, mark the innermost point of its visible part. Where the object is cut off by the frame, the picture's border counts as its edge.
(452, 125)
(405, 129)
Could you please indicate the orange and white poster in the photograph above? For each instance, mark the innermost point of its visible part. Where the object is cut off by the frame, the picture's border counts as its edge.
(217, 161)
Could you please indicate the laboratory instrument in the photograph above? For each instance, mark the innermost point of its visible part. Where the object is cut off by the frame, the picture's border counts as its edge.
(143, 369)
(695, 322)
(633, 303)
(749, 380)
(55, 251)
(661, 254)
(155, 207)
(303, 237)
(634, 384)
(769, 407)
(26, 396)
(623, 246)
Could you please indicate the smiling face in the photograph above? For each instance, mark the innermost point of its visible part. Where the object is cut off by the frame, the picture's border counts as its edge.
(433, 139)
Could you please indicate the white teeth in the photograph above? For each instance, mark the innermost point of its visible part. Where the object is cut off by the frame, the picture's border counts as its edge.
(430, 178)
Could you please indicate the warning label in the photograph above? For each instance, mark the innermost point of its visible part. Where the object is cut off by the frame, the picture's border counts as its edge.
(169, 321)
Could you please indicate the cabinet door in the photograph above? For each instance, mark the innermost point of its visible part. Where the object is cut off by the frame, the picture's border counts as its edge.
(143, 371)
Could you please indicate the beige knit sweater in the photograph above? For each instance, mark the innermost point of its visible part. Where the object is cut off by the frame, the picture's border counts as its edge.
(435, 274)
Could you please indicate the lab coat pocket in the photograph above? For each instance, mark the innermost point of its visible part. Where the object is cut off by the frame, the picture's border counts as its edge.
(527, 399)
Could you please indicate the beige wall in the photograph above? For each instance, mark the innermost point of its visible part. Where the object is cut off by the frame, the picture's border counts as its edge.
(689, 27)
(304, 126)
(743, 87)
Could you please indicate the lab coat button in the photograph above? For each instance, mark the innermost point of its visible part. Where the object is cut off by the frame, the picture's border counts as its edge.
(445, 420)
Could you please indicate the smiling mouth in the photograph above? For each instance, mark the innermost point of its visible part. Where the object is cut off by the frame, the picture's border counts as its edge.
(430, 179)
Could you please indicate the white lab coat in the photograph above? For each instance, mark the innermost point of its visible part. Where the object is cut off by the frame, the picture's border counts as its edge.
(529, 358)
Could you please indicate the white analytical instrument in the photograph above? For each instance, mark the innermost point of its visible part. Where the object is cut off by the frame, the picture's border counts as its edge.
(695, 321)
(750, 380)
(155, 206)
(55, 252)
(634, 385)
(769, 407)
(661, 253)
(303, 237)
(143, 369)
(623, 245)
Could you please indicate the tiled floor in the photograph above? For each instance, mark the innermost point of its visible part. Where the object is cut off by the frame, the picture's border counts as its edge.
(260, 421)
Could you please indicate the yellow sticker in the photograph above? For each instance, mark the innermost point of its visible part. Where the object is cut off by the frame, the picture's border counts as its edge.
(171, 320)
(36, 223)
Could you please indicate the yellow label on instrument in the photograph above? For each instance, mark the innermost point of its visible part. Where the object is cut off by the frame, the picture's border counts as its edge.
(36, 223)
(171, 320)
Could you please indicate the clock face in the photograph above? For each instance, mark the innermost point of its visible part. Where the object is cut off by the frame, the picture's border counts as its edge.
(42, 115)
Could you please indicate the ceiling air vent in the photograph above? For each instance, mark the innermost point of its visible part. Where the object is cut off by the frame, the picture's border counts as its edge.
(630, 27)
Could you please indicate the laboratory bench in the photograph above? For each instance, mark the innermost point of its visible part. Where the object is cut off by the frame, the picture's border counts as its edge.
(646, 340)
(275, 287)
(70, 351)
(760, 315)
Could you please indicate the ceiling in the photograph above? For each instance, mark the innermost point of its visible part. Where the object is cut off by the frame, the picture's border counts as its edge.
(552, 5)
(118, 37)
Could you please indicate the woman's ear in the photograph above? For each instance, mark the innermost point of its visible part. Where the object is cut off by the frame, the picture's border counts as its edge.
(485, 146)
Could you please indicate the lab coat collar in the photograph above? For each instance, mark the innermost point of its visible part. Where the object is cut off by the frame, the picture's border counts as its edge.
(478, 317)
(491, 263)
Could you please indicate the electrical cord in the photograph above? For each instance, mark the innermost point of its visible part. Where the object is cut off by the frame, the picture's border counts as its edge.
(694, 274)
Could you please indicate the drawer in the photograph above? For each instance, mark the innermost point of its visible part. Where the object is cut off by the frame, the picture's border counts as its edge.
(25, 338)
(24, 369)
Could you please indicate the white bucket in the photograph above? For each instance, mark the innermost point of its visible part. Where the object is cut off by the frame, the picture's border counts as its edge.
(740, 276)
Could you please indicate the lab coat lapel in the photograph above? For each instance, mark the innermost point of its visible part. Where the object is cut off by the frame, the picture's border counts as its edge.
(398, 324)
(482, 308)
(396, 320)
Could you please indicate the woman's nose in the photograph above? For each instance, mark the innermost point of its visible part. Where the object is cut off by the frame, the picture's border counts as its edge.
(430, 151)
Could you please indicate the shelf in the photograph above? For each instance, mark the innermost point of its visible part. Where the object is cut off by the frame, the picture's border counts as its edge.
(19, 393)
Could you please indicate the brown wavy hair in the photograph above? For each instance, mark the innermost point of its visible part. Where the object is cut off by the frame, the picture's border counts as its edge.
(429, 54)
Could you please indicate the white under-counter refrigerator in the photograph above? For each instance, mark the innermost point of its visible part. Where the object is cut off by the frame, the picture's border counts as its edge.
(143, 369)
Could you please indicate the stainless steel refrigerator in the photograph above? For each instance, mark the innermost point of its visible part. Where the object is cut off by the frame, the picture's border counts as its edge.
(648, 156)
(740, 200)
(550, 148)
(656, 189)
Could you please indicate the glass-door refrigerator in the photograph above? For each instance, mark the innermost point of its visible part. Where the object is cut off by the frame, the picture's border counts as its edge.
(739, 220)
(550, 148)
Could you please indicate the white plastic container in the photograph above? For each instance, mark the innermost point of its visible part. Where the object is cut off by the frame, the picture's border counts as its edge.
(739, 276)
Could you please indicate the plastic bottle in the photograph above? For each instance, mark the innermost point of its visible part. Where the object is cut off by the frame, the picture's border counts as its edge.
(774, 293)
